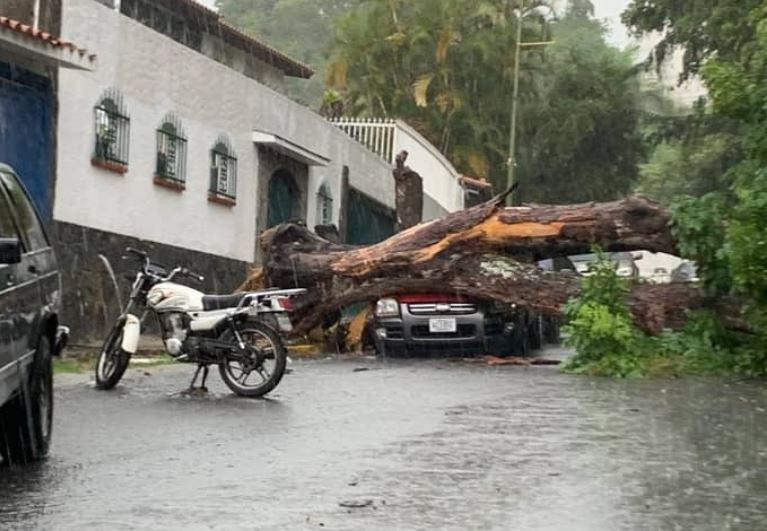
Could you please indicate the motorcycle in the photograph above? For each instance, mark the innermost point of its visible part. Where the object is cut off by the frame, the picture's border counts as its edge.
(230, 331)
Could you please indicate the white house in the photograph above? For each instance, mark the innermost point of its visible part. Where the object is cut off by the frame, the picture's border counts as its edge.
(182, 143)
(445, 189)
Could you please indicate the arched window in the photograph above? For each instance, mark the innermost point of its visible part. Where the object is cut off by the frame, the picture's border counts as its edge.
(112, 140)
(324, 205)
(171, 150)
(223, 169)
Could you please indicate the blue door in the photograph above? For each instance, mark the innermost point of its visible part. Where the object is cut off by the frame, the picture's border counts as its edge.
(25, 130)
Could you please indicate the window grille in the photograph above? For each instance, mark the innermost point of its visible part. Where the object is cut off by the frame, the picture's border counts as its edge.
(223, 170)
(324, 205)
(171, 150)
(112, 130)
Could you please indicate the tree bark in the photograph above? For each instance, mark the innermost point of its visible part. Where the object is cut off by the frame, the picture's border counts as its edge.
(408, 193)
(486, 252)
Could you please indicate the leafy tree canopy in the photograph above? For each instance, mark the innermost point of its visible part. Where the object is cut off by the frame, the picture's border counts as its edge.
(301, 28)
(726, 42)
(701, 27)
(447, 67)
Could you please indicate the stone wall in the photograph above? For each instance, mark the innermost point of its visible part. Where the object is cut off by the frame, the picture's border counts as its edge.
(85, 255)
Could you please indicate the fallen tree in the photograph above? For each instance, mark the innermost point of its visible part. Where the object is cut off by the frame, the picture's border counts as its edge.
(486, 252)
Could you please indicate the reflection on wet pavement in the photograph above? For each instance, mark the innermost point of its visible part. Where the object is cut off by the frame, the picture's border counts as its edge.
(412, 445)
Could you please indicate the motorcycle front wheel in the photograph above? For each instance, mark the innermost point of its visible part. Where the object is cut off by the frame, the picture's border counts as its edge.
(260, 372)
(113, 360)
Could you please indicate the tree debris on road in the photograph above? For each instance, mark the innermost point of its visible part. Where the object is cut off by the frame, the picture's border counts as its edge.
(488, 252)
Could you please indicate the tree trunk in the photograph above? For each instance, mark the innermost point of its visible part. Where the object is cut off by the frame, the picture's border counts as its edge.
(486, 252)
(408, 193)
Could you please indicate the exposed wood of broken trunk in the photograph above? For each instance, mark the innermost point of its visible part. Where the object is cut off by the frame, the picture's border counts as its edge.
(486, 252)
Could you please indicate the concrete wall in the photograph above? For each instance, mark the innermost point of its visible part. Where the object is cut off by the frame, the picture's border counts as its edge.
(156, 75)
(432, 209)
(239, 61)
(90, 303)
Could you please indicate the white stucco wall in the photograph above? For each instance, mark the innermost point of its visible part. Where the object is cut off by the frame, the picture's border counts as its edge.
(156, 75)
(440, 178)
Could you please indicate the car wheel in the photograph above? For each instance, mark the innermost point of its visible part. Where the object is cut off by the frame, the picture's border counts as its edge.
(25, 439)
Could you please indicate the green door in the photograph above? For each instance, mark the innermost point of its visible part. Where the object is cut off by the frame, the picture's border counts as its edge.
(284, 199)
(368, 220)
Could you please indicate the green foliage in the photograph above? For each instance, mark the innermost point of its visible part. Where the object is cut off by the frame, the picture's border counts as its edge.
(607, 343)
(726, 43)
(746, 245)
(690, 167)
(580, 136)
(447, 67)
(699, 348)
(701, 238)
(301, 28)
(600, 327)
(702, 28)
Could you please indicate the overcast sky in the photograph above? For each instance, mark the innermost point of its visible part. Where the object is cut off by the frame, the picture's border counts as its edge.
(609, 10)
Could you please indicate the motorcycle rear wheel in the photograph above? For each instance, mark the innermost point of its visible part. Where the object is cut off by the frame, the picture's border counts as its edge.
(259, 379)
(113, 360)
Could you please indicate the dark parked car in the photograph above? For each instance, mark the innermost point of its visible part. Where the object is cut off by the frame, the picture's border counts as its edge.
(30, 334)
(452, 325)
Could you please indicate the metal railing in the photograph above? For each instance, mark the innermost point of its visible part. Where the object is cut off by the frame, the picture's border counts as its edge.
(376, 134)
(171, 156)
(112, 135)
(223, 174)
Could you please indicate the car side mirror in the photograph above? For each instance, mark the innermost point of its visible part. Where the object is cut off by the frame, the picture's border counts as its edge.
(10, 251)
(637, 256)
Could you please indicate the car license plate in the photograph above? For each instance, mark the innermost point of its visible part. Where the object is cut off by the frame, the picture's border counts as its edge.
(441, 326)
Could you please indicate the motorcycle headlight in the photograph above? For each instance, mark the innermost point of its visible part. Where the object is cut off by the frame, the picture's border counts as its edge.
(387, 308)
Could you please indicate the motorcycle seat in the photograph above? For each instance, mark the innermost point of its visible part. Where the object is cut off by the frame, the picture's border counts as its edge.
(222, 302)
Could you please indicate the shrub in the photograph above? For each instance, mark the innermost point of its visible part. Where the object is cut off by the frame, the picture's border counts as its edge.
(600, 328)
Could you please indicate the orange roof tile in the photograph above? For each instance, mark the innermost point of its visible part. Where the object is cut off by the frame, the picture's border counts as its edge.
(44, 36)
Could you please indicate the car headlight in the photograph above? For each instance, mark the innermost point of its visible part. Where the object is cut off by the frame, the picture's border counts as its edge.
(387, 308)
(625, 272)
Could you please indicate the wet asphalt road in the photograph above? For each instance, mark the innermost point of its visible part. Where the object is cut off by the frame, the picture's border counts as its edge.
(421, 445)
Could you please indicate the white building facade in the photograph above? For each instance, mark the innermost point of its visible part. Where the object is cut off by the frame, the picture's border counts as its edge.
(176, 144)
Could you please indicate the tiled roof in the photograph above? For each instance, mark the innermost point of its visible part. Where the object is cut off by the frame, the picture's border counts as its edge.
(258, 48)
(45, 37)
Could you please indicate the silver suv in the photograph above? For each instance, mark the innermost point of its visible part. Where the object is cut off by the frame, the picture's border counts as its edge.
(439, 324)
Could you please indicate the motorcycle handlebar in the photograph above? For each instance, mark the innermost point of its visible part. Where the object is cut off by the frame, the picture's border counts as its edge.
(193, 276)
(136, 254)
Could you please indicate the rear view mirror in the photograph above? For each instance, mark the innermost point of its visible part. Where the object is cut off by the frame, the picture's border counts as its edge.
(637, 256)
(10, 251)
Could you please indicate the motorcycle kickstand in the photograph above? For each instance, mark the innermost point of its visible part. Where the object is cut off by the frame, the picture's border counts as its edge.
(205, 370)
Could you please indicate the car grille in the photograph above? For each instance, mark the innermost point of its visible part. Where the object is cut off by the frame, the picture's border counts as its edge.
(466, 331)
(454, 308)
(394, 332)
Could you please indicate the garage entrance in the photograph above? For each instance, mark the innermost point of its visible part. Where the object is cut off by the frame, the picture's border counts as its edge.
(25, 130)
(368, 220)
